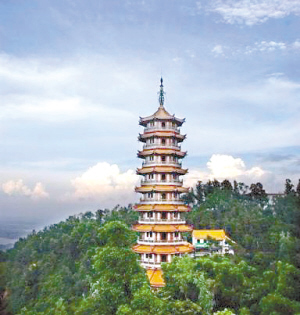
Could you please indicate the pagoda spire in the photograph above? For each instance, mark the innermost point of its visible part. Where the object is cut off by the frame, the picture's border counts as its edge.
(161, 93)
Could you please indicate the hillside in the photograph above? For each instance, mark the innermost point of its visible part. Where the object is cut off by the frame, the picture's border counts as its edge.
(85, 265)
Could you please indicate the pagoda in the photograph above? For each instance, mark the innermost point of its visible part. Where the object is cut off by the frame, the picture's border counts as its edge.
(160, 223)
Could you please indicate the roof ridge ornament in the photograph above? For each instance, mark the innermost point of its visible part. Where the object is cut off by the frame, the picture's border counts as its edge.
(161, 93)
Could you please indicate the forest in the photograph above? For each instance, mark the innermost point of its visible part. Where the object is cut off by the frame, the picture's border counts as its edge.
(85, 265)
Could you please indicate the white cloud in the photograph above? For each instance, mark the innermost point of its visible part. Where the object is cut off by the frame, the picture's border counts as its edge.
(193, 176)
(296, 44)
(257, 47)
(57, 110)
(221, 166)
(265, 46)
(17, 187)
(105, 183)
(252, 12)
(39, 192)
(225, 166)
(59, 90)
(218, 50)
(276, 82)
(42, 75)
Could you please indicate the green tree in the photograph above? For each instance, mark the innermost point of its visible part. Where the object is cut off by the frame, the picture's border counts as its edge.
(276, 304)
(187, 285)
(144, 302)
(257, 192)
(118, 275)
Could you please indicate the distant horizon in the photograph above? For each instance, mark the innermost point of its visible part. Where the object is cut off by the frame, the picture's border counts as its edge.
(30, 225)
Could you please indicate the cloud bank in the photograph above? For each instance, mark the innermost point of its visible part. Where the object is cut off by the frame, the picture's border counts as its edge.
(222, 166)
(17, 187)
(252, 12)
(105, 183)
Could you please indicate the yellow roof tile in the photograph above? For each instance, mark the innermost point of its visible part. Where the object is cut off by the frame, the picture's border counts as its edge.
(159, 188)
(164, 249)
(158, 207)
(155, 277)
(161, 169)
(162, 151)
(161, 113)
(162, 133)
(142, 248)
(204, 234)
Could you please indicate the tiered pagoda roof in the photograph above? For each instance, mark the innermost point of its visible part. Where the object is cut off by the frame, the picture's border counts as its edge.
(161, 114)
(163, 133)
(164, 249)
(161, 169)
(164, 151)
(160, 224)
(160, 207)
(160, 188)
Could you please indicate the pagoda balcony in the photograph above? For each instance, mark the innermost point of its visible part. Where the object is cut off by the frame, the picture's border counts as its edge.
(175, 182)
(161, 146)
(150, 264)
(161, 200)
(162, 242)
(155, 163)
(161, 129)
(161, 221)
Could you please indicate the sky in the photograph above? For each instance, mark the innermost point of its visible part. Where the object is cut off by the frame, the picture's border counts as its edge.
(76, 75)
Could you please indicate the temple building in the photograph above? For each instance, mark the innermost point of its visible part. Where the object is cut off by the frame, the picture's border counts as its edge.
(160, 223)
(209, 242)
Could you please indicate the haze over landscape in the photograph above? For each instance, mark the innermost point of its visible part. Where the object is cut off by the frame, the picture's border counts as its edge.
(76, 75)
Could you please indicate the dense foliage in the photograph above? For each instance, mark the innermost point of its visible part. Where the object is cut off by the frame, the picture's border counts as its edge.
(85, 264)
(261, 226)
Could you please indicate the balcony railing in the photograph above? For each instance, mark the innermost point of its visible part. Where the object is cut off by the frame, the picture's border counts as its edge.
(161, 146)
(169, 242)
(162, 163)
(162, 182)
(161, 221)
(155, 199)
(150, 264)
(161, 128)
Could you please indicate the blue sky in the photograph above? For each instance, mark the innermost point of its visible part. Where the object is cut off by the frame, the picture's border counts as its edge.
(76, 75)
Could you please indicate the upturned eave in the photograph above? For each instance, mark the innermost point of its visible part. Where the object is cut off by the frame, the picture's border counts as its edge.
(162, 207)
(161, 188)
(161, 169)
(146, 152)
(164, 249)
